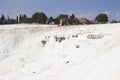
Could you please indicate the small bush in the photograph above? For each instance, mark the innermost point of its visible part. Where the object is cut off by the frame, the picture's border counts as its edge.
(44, 42)
(59, 39)
(67, 62)
(93, 36)
(33, 72)
(47, 37)
(68, 38)
(77, 46)
(75, 36)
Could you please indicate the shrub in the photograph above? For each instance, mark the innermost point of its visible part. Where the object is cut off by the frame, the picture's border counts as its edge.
(93, 36)
(77, 46)
(59, 39)
(44, 42)
(114, 21)
(101, 18)
(75, 36)
(39, 17)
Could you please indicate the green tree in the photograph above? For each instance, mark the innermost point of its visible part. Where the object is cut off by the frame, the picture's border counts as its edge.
(29, 20)
(24, 18)
(8, 20)
(39, 18)
(72, 16)
(12, 21)
(50, 20)
(2, 19)
(20, 19)
(17, 20)
(72, 19)
(101, 18)
(114, 21)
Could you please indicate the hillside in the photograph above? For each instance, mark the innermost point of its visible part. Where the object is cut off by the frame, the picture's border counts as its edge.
(48, 52)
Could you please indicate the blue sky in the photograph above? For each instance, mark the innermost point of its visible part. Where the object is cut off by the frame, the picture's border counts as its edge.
(81, 8)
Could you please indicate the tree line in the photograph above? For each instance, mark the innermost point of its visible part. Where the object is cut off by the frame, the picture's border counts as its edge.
(42, 18)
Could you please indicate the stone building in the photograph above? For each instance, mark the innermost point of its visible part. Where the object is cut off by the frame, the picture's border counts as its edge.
(84, 21)
(64, 21)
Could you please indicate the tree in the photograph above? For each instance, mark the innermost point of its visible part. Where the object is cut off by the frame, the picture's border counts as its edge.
(8, 20)
(29, 20)
(17, 20)
(12, 21)
(72, 16)
(114, 21)
(101, 18)
(50, 20)
(39, 18)
(23, 19)
(2, 19)
(20, 18)
(72, 20)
